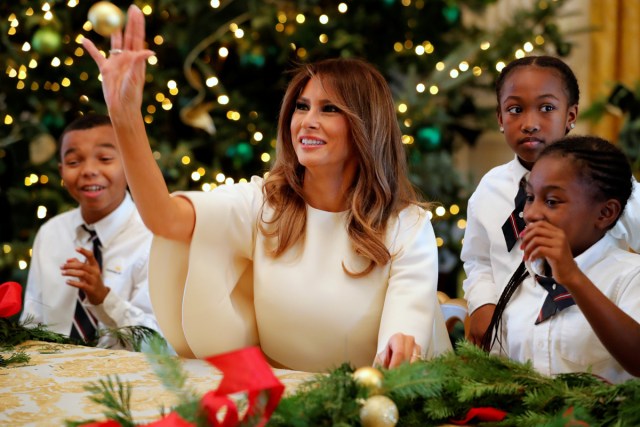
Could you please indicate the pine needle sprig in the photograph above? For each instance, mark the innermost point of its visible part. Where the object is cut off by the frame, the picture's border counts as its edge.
(14, 332)
(168, 368)
(130, 337)
(408, 382)
(629, 402)
(444, 388)
(115, 396)
(326, 400)
(17, 357)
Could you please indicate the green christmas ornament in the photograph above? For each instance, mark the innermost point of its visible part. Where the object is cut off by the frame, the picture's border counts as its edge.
(46, 41)
(430, 137)
(244, 150)
(255, 59)
(241, 152)
(451, 13)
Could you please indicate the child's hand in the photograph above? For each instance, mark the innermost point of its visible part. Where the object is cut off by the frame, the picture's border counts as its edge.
(479, 322)
(88, 275)
(542, 240)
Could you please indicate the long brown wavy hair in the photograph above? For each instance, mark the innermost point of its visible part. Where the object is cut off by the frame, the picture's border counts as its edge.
(381, 187)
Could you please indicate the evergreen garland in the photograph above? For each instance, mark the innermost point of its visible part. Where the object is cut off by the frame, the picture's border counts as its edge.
(14, 332)
(429, 393)
(445, 388)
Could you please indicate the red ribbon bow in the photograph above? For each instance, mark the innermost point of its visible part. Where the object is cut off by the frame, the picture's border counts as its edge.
(243, 370)
(10, 299)
(481, 414)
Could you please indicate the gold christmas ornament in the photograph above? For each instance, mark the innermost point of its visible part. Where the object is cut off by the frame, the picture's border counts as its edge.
(379, 411)
(106, 18)
(42, 148)
(198, 116)
(370, 378)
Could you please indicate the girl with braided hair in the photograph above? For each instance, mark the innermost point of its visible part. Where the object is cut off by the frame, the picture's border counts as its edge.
(580, 310)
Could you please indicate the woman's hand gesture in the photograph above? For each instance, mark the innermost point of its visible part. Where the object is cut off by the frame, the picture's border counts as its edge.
(400, 348)
(123, 71)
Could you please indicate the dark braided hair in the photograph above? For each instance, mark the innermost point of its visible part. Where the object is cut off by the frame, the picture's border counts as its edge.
(605, 169)
(492, 333)
(569, 79)
(603, 165)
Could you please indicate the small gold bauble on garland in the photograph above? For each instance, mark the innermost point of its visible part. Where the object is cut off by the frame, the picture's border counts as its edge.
(106, 18)
(369, 378)
(379, 411)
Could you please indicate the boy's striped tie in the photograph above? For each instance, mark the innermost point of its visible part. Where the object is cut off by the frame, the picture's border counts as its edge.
(85, 324)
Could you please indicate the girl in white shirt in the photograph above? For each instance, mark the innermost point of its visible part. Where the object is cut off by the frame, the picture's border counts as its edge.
(329, 259)
(577, 190)
(537, 104)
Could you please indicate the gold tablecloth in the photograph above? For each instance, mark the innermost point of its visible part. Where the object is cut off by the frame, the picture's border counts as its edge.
(49, 389)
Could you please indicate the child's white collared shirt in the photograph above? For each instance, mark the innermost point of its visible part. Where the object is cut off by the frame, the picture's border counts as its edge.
(566, 341)
(487, 263)
(125, 251)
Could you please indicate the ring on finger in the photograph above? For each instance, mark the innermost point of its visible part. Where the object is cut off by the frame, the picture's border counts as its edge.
(115, 51)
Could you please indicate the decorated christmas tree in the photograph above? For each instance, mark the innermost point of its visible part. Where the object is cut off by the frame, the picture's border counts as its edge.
(215, 84)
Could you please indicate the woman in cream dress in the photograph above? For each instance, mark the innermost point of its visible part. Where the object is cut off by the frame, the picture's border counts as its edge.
(329, 259)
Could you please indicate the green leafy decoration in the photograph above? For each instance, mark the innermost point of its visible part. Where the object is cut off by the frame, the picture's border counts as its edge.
(445, 388)
(130, 336)
(17, 357)
(168, 369)
(429, 393)
(116, 397)
(14, 332)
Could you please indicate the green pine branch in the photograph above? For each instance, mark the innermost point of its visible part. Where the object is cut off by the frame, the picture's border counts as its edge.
(115, 396)
(17, 357)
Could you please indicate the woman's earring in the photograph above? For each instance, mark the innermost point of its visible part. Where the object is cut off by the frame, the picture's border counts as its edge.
(572, 125)
(502, 129)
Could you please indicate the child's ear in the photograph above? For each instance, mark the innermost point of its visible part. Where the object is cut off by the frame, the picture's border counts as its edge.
(499, 117)
(609, 213)
(572, 116)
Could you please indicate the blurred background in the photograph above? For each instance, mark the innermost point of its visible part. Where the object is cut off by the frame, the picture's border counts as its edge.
(215, 84)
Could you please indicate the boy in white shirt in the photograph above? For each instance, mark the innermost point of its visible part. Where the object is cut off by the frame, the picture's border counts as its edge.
(89, 265)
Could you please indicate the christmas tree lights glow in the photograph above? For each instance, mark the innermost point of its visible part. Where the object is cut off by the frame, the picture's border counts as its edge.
(217, 77)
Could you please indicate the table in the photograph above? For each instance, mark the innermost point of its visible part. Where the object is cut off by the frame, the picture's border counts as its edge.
(49, 389)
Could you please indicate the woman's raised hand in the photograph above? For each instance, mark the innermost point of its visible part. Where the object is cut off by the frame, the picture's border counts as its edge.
(123, 71)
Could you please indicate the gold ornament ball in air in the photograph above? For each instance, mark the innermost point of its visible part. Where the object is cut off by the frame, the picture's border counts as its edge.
(106, 18)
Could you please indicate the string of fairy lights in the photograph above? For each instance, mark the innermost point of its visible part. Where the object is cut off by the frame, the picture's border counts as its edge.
(287, 23)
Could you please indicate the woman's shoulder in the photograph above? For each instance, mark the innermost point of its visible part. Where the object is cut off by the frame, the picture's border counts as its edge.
(411, 219)
(417, 211)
